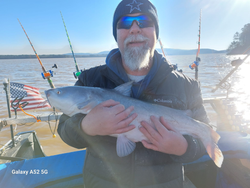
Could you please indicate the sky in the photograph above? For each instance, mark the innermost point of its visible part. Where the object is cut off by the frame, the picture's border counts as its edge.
(89, 24)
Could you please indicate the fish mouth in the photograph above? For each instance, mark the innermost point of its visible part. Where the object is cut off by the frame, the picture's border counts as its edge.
(47, 94)
(47, 101)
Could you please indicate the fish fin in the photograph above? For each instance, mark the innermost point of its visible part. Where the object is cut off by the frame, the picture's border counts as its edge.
(214, 135)
(215, 153)
(124, 146)
(86, 106)
(124, 89)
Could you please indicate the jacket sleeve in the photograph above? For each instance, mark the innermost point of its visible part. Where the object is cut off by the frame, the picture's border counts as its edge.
(70, 131)
(194, 151)
(195, 148)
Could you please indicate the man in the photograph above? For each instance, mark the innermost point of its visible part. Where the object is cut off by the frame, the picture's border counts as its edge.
(152, 164)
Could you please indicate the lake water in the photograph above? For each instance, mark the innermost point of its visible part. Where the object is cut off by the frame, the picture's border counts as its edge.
(212, 69)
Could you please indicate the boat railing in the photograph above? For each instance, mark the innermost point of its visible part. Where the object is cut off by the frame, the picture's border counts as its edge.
(228, 119)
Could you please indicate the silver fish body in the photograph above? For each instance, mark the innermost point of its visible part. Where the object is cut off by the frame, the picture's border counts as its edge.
(78, 99)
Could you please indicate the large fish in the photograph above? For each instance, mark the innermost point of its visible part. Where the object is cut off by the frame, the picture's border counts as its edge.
(78, 99)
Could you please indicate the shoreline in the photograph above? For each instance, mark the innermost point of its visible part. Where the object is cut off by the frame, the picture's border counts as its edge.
(168, 51)
(46, 56)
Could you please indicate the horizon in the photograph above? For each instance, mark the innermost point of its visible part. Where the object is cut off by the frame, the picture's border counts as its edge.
(92, 32)
(95, 53)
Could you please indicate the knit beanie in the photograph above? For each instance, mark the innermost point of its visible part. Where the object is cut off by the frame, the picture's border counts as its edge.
(135, 6)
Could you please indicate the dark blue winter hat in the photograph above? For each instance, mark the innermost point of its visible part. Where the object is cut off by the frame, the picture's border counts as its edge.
(135, 6)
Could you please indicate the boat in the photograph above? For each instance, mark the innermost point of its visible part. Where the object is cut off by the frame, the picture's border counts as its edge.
(44, 171)
(25, 145)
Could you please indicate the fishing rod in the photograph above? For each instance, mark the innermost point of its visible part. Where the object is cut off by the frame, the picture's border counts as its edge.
(162, 49)
(78, 72)
(195, 64)
(45, 74)
(236, 63)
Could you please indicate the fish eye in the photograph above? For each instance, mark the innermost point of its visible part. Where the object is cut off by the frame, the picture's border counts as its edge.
(58, 92)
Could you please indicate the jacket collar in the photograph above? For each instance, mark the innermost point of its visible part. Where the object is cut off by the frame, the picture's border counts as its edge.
(156, 74)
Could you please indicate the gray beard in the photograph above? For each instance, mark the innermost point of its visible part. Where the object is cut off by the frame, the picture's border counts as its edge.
(136, 58)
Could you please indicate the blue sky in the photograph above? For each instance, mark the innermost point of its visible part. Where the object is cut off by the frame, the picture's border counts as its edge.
(89, 24)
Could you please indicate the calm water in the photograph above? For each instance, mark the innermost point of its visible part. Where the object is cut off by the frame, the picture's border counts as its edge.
(28, 71)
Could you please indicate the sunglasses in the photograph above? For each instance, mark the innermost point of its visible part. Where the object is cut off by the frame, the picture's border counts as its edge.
(142, 21)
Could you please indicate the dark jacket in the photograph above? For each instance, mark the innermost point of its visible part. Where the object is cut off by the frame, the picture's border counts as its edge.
(143, 168)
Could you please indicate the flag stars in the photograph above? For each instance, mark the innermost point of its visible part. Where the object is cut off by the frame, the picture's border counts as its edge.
(134, 5)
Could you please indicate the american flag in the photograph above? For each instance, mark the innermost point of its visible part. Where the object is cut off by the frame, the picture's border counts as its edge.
(30, 94)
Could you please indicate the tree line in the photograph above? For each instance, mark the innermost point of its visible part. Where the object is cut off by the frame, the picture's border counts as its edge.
(241, 41)
(47, 56)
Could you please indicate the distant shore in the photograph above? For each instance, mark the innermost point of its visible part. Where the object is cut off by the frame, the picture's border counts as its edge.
(168, 51)
(45, 56)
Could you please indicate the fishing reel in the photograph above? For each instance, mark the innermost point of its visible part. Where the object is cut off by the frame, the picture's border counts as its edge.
(77, 74)
(55, 66)
(236, 63)
(48, 74)
(195, 63)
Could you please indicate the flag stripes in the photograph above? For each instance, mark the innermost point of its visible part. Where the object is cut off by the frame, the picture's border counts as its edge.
(30, 94)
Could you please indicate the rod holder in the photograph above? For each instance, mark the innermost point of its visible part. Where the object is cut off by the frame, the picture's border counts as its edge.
(6, 84)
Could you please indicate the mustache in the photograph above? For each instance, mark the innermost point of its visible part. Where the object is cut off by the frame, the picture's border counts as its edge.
(135, 38)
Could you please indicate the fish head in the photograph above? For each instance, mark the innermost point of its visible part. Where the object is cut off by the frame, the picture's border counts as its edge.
(72, 99)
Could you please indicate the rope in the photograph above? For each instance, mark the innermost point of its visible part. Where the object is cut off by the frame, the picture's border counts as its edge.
(38, 120)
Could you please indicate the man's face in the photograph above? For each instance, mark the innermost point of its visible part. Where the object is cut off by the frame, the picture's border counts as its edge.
(136, 43)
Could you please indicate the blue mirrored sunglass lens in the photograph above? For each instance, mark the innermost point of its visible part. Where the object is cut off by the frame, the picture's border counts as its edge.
(145, 23)
(131, 19)
(125, 25)
(127, 21)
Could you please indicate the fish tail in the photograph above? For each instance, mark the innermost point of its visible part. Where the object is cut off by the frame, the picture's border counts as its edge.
(214, 135)
(215, 153)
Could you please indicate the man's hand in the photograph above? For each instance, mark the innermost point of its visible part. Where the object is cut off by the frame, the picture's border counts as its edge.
(163, 139)
(109, 117)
